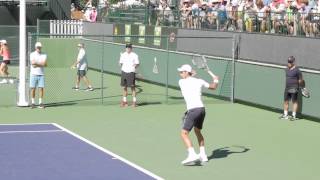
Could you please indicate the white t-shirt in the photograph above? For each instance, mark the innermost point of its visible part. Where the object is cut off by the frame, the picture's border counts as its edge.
(128, 61)
(82, 58)
(38, 58)
(191, 90)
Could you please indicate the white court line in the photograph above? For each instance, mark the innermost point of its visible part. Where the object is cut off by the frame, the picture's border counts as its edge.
(26, 124)
(109, 152)
(17, 132)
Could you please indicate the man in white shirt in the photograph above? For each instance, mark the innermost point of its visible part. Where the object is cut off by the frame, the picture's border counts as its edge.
(81, 64)
(191, 88)
(38, 61)
(129, 61)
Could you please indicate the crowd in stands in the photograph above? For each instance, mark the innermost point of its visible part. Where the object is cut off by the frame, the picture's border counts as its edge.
(290, 17)
(88, 12)
(266, 16)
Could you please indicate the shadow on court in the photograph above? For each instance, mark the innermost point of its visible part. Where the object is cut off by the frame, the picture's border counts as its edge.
(226, 151)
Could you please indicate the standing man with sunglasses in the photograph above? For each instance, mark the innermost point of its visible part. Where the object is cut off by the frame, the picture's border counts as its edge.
(129, 62)
(38, 60)
(291, 92)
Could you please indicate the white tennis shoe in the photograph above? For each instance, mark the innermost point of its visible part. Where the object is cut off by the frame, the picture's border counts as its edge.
(191, 159)
(203, 158)
(4, 81)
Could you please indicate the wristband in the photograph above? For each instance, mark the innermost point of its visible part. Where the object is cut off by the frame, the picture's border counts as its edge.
(216, 81)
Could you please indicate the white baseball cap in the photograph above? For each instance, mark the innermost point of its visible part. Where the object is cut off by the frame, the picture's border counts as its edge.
(80, 45)
(38, 44)
(3, 41)
(185, 67)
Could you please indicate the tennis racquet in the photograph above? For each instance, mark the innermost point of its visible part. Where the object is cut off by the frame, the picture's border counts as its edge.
(155, 66)
(304, 91)
(201, 63)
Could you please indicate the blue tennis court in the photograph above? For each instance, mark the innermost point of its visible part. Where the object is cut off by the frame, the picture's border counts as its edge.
(51, 152)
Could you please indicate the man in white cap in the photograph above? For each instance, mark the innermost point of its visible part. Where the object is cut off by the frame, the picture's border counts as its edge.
(38, 61)
(129, 62)
(194, 116)
(81, 64)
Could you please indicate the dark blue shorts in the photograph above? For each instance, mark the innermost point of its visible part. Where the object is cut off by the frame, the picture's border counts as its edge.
(193, 118)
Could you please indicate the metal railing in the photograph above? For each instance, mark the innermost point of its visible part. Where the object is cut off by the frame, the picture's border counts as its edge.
(285, 23)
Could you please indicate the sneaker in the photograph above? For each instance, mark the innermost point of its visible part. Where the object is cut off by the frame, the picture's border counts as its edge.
(41, 106)
(75, 88)
(11, 81)
(4, 81)
(89, 89)
(134, 104)
(284, 116)
(123, 104)
(33, 106)
(293, 118)
(203, 158)
(191, 159)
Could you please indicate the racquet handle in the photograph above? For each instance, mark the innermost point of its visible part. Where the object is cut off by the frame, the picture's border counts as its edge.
(211, 74)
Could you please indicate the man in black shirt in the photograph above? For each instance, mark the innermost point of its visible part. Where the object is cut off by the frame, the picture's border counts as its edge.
(291, 92)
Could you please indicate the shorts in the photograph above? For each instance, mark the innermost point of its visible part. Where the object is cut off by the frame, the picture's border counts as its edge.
(6, 62)
(291, 95)
(36, 81)
(128, 79)
(81, 73)
(193, 118)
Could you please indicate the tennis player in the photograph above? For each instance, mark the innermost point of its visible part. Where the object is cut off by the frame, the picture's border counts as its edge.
(38, 61)
(81, 64)
(5, 53)
(291, 92)
(191, 88)
(129, 61)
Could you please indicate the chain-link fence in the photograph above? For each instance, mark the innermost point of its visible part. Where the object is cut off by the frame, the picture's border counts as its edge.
(157, 76)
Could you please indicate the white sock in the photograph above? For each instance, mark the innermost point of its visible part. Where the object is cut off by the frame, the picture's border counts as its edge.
(124, 99)
(191, 151)
(32, 100)
(294, 114)
(134, 99)
(40, 100)
(202, 150)
(285, 113)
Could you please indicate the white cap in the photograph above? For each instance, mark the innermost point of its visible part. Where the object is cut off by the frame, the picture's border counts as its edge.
(234, 2)
(3, 41)
(38, 44)
(185, 67)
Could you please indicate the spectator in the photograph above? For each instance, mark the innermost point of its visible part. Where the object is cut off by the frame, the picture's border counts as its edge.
(195, 11)
(315, 19)
(289, 17)
(222, 15)
(277, 8)
(185, 11)
(262, 16)
(93, 15)
(250, 9)
(241, 6)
